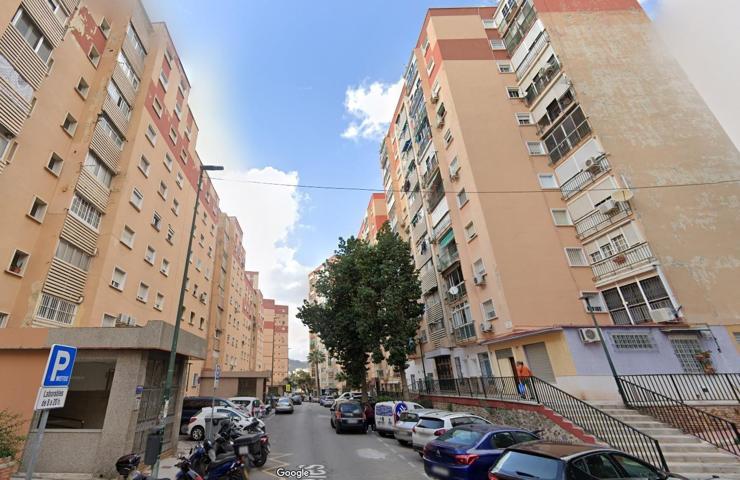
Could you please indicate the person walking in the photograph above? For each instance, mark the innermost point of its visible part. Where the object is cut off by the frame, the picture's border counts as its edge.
(523, 374)
(369, 417)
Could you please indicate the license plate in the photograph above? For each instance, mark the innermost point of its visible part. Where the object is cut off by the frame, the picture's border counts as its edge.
(243, 450)
(353, 420)
(440, 470)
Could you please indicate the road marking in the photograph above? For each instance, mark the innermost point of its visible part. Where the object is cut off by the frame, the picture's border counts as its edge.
(371, 454)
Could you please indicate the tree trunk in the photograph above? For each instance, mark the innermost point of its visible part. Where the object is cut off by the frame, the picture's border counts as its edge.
(318, 382)
(364, 389)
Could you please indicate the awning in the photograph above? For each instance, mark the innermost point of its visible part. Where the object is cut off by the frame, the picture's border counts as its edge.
(439, 352)
(447, 238)
(507, 337)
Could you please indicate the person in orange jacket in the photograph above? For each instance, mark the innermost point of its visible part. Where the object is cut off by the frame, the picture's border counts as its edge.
(523, 373)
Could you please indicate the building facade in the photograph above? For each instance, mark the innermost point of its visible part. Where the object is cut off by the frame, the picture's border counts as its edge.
(275, 343)
(329, 368)
(531, 187)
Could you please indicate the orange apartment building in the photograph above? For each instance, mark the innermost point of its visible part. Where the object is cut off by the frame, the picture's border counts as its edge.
(100, 171)
(329, 368)
(275, 343)
(516, 163)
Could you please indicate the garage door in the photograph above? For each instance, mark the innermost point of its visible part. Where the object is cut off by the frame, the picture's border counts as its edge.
(539, 361)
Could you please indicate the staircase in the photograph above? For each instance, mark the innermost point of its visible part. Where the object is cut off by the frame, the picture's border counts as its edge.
(685, 454)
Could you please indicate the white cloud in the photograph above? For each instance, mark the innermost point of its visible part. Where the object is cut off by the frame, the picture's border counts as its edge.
(371, 107)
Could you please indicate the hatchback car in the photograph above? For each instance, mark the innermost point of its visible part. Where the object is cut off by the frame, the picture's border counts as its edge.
(192, 405)
(467, 452)
(284, 405)
(250, 405)
(297, 399)
(568, 461)
(326, 400)
(347, 415)
(406, 421)
(198, 425)
(432, 425)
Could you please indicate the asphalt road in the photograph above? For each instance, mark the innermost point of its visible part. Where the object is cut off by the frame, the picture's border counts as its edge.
(306, 438)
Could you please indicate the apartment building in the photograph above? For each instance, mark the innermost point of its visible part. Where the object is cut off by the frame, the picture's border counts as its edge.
(375, 216)
(329, 368)
(529, 139)
(256, 318)
(275, 343)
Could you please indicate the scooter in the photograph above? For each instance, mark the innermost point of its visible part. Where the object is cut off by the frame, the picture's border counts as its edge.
(127, 467)
(209, 458)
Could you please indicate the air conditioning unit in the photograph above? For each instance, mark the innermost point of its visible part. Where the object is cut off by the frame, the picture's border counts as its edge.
(662, 315)
(589, 335)
(439, 123)
(608, 207)
(125, 320)
(435, 97)
(592, 166)
(454, 170)
(202, 297)
(479, 279)
(486, 326)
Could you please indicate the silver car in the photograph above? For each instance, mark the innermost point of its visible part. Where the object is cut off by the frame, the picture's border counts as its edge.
(433, 424)
(406, 422)
(284, 405)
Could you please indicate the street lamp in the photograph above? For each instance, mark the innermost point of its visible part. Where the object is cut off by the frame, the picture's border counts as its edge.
(176, 334)
(603, 345)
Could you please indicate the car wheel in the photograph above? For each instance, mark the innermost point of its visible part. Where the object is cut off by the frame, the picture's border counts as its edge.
(421, 454)
(197, 433)
(404, 443)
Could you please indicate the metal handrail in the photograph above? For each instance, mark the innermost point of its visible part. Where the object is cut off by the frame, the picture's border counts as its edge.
(577, 182)
(589, 418)
(686, 387)
(441, 227)
(622, 260)
(534, 52)
(596, 221)
(538, 86)
(718, 431)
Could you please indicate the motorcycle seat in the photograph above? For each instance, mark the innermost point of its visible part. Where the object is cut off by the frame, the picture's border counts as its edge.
(249, 438)
(220, 460)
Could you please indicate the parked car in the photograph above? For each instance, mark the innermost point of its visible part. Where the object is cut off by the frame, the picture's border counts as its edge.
(192, 405)
(347, 415)
(406, 421)
(467, 452)
(386, 415)
(297, 399)
(326, 400)
(284, 405)
(250, 405)
(350, 396)
(569, 461)
(434, 424)
(198, 422)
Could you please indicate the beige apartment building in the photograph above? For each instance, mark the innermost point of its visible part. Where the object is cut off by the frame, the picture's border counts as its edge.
(275, 343)
(99, 170)
(329, 368)
(539, 148)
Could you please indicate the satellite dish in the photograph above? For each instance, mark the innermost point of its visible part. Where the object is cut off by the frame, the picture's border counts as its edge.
(622, 195)
(454, 290)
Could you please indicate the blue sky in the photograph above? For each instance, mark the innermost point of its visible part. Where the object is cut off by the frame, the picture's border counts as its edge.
(283, 92)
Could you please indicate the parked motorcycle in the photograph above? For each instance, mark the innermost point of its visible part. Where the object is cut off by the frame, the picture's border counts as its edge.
(231, 452)
(128, 468)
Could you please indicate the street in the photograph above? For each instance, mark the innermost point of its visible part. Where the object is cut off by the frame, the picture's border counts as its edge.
(305, 438)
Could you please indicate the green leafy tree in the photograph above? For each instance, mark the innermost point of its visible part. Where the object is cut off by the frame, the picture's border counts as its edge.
(300, 379)
(10, 440)
(315, 358)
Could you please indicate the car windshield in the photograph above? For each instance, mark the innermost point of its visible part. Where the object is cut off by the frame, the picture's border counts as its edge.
(284, 401)
(530, 466)
(461, 436)
(408, 417)
(427, 422)
(350, 408)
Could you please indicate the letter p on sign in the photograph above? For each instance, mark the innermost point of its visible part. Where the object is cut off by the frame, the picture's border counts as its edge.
(58, 371)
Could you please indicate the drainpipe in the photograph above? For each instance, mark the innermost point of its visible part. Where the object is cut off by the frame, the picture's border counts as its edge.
(606, 350)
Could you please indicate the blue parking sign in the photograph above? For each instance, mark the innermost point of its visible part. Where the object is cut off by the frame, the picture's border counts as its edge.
(59, 366)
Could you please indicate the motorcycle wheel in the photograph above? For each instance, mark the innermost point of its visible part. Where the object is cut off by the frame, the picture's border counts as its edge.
(261, 459)
(242, 474)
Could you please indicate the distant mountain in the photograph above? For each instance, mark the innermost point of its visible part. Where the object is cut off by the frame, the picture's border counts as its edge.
(295, 364)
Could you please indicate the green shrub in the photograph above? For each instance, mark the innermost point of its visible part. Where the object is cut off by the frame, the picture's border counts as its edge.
(10, 440)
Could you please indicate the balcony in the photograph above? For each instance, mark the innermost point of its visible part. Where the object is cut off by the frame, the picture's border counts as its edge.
(624, 261)
(434, 313)
(412, 177)
(597, 221)
(428, 280)
(442, 226)
(447, 259)
(15, 97)
(584, 178)
(432, 168)
(568, 134)
(541, 81)
(419, 227)
(461, 294)
(519, 28)
(433, 197)
(542, 41)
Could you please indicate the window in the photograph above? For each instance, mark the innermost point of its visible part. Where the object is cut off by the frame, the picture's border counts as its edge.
(594, 298)
(105, 27)
(192, 318)
(54, 166)
(110, 131)
(150, 255)
(168, 163)
(489, 312)
(165, 268)
(142, 294)
(462, 321)
(56, 309)
(560, 216)
(133, 37)
(576, 257)
(430, 66)
(547, 181)
(83, 88)
(137, 199)
(84, 210)
(127, 236)
(73, 255)
(119, 279)
(635, 468)
(462, 198)
(633, 341)
(686, 350)
(175, 206)
(159, 302)
(128, 71)
(535, 148)
(170, 234)
(162, 190)
(632, 303)
(202, 322)
(489, 23)
(58, 10)
(184, 156)
(93, 55)
(180, 179)
(497, 44)
(448, 137)
(157, 106)
(38, 209)
(18, 263)
(479, 269)
(151, 135)
(164, 80)
(98, 169)
(524, 118)
(567, 134)
(4, 319)
(470, 232)
(173, 135)
(144, 165)
(69, 125)
(619, 242)
(31, 33)
(156, 221)
(178, 111)
(513, 92)
(504, 67)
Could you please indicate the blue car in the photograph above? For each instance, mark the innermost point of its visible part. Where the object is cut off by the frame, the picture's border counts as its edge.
(467, 452)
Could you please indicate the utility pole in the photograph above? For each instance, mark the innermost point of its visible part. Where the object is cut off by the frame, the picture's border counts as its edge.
(166, 392)
(606, 350)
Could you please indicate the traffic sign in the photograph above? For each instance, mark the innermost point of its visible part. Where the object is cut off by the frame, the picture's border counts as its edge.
(51, 397)
(400, 408)
(217, 377)
(58, 372)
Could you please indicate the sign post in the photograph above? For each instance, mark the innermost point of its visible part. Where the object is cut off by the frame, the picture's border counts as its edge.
(216, 381)
(52, 394)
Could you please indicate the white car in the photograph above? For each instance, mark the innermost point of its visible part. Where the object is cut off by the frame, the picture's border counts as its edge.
(250, 405)
(197, 425)
(433, 424)
(349, 396)
(386, 415)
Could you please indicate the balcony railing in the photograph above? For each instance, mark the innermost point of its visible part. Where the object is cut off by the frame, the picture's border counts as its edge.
(465, 332)
(625, 260)
(596, 221)
(519, 29)
(461, 294)
(447, 259)
(432, 168)
(541, 81)
(567, 135)
(688, 387)
(433, 197)
(580, 180)
(441, 227)
(542, 40)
